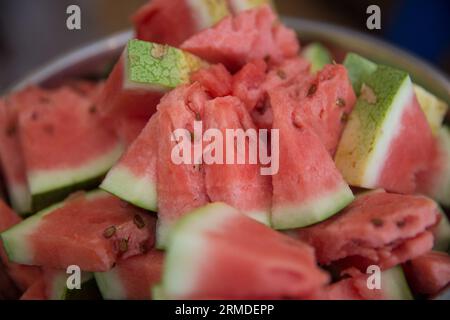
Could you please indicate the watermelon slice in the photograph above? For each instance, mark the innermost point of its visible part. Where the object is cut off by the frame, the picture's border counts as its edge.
(387, 141)
(429, 273)
(172, 22)
(317, 55)
(56, 162)
(180, 187)
(133, 278)
(133, 178)
(216, 80)
(142, 75)
(239, 185)
(252, 34)
(36, 291)
(393, 287)
(217, 252)
(435, 181)
(385, 228)
(23, 276)
(360, 69)
(91, 231)
(307, 188)
(241, 5)
(329, 100)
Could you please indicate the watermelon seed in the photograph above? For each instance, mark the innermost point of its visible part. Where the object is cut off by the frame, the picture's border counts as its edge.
(197, 116)
(143, 247)
(11, 130)
(401, 224)
(109, 232)
(377, 222)
(282, 74)
(344, 117)
(312, 90)
(340, 102)
(123, 245)
(93, 109)
(138, 221)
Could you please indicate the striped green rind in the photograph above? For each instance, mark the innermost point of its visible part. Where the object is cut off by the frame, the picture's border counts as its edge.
(312, 211)
(50, 186)
(394, 284)
(371, 127)
(140, 191)
(359, 69)
(317, 55)
(159, 66)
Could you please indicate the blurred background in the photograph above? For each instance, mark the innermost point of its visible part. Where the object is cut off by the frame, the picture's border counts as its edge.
(33, 32)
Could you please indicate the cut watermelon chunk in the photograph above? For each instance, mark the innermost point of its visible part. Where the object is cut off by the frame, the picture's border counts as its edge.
(11, 155)
(131, 279)
(180, 187)
(324, 109)
(385, 228)
(435, 181)
(217, 252)
(172, 22)
(429, 273)
(241, 5)
(307, 188)
(252, 34)
(143, 74)
(91, 231)
(317, 55)
(23, 276)
(239, 185)
(57, 162)
(216, 80)
(387, 140)
(393, 286)
(36, 291)
(133, 178)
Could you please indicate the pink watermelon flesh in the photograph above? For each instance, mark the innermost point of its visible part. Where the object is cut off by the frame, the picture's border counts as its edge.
(247, 83)
(307, 188)
(239, 259)
(51, 133)
(180, 187)
(429, 273)
(76, 233)
(116, 101)
(290, 71)
(329, 100)
(36, 291)
(215, 79)
(165, 22)
(383, 228)
(129, 128)
(23, 276)
(239, 185)
(250, 35)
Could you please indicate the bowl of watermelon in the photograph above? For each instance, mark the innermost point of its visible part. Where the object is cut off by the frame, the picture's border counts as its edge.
(115, 188)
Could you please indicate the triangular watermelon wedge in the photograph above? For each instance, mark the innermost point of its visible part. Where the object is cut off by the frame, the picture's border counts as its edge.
(308, 188)
(216, 252)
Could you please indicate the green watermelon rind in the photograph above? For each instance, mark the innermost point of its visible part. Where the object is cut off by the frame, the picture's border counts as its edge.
(313, 211)
(317, 55)
(140, 191)
(186, 231)
(442, 234)
(371, 127)
(50, 186)
(157, 292)
(359, 69)
(15, 242)
(156, 67)
(20, 198)
(394, 285)
(110, 286)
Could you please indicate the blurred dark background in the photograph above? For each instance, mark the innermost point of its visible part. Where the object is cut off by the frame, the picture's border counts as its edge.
(32, 32)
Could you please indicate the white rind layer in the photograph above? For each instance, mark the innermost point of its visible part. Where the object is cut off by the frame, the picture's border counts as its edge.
(394, 284)
(110, 285)
(20, 197)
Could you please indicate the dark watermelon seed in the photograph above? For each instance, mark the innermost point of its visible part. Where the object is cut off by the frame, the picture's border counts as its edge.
(11, 130)
(401, 224)
(344, 118)
(377, 222)
(197, 116)
(281, 74)
(139, 221)
(340, 102)
(143, 247)
(93, 109)
(109, 232)
(123, 245)
(312, 90)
